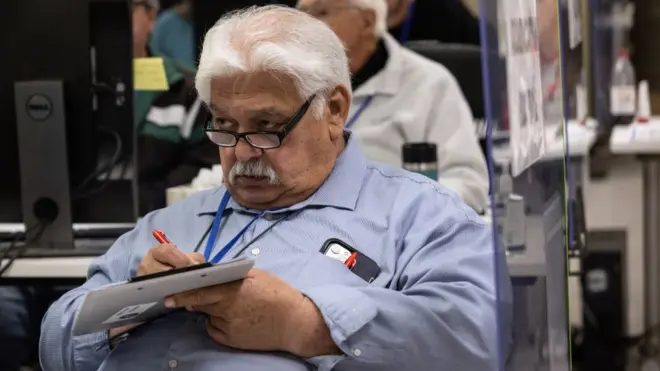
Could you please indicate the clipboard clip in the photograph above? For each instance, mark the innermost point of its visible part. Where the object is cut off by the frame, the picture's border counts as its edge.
(170, 272)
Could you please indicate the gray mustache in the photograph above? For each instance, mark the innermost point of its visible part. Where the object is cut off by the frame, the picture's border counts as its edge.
(255, 169)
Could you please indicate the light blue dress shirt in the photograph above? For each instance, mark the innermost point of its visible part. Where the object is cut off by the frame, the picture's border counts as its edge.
(432, 307)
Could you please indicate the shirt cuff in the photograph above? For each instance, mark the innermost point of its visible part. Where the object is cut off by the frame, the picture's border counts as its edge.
(346, 311)
(91, 349)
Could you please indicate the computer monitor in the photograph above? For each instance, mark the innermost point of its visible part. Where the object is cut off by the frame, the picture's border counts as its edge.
(66, 115)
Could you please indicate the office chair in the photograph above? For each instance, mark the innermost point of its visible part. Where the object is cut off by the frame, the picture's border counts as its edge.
(464, 62)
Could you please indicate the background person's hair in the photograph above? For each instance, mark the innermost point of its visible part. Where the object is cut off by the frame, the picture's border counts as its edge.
(154, 4)
(275, 39)
(379, 7)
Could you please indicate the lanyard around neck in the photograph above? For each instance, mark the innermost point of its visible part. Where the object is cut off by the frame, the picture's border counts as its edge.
(215, 228)
(351, 121)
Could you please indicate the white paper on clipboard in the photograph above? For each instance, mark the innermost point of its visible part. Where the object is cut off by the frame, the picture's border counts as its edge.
(524, 87)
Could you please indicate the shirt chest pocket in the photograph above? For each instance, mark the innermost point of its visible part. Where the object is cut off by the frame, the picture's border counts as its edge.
(320, 270)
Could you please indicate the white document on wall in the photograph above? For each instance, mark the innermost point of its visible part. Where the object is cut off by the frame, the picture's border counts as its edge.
(574, 23)
(524, 87)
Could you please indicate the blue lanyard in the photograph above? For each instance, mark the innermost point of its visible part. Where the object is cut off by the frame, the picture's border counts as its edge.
(357, 113)
(213, 235)
(405, 30)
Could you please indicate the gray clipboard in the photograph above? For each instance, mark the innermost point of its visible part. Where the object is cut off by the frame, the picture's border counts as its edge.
(134, 302)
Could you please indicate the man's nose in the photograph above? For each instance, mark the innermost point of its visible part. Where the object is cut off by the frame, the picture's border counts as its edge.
(245, 152)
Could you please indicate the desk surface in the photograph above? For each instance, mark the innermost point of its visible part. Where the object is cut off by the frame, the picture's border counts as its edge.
(48, 268)
(636, 139)
(69, 264)
(530, 263)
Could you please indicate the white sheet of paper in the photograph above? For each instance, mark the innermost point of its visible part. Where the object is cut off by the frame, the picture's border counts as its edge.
(524, 86)
(574, 23)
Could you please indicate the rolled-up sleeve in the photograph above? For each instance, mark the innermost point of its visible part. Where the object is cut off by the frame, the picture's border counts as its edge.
(58, 348)
(440, 311)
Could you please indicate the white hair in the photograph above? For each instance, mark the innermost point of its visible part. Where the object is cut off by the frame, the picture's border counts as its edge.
(379, 7)
(275, 39)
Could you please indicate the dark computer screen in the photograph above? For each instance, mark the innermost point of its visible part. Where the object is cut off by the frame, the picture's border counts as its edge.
(87, 45)
(207, 12)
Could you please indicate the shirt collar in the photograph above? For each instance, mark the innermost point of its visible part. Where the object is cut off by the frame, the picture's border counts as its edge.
(340, 189)
(388, 80)
(374, 64)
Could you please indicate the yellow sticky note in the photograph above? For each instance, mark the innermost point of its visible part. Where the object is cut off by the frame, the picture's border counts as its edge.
(149, 74)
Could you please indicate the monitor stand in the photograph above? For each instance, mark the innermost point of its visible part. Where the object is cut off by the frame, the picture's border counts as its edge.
(43, 160)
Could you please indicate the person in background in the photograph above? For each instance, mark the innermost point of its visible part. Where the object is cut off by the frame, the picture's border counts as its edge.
(400, 97)
(447, 21)
(173, 35)
(548, 29)
(22, 308)
(165, 159)
(278, 85)
(171, 142)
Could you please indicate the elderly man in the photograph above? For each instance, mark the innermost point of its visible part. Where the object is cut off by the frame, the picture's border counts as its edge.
(402, 97)
(278, 85)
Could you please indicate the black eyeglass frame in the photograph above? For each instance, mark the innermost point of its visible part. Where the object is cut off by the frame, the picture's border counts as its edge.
(281, 134)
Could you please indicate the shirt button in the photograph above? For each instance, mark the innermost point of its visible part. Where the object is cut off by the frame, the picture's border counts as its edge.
(357, 352)
(255, 251)
(173, 363)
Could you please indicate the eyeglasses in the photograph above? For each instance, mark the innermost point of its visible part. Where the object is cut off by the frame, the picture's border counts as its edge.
(257, 139)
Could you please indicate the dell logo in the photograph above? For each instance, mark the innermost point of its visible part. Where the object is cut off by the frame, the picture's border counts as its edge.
(38, 107)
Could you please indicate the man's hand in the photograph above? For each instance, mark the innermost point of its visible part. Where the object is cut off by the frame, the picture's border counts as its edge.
(261, 313)
(163, 257)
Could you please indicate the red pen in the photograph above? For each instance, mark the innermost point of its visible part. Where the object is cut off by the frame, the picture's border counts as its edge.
(350, 262)
(160, 236)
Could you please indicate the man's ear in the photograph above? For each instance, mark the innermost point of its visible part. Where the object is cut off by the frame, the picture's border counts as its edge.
(369, 17)
(337, 107)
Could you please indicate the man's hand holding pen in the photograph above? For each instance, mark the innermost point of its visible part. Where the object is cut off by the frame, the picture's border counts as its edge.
(160, 258)
(167, 256)
(261, 312)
